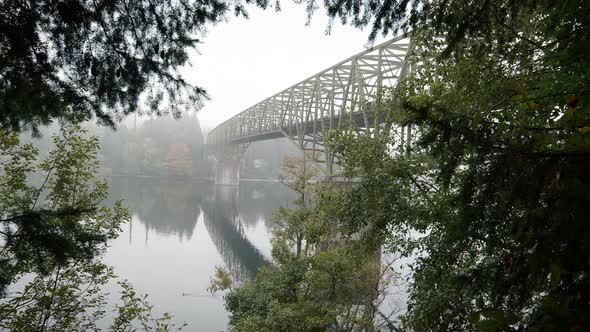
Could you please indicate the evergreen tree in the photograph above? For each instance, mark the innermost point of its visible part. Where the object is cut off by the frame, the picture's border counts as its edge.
(494, 197)
(75, 58)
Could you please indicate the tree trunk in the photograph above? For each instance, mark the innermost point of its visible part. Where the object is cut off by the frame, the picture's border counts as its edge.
(299, 242)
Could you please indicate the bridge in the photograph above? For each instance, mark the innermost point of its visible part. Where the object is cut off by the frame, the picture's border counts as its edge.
(345, 95)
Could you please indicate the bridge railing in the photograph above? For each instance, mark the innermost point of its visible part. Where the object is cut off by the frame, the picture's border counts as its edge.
(321, 102)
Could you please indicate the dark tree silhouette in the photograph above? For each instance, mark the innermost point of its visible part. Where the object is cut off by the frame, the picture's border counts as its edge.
(76, 58)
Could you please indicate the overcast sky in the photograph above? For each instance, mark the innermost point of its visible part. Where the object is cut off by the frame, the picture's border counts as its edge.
(242, 62)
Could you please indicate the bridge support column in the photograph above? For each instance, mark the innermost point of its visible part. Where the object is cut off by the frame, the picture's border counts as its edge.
(227, 168)
(227, 171)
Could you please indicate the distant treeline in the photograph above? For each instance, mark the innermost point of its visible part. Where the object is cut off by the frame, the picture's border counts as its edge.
(156, 146)
(165, 146)
(159, 146)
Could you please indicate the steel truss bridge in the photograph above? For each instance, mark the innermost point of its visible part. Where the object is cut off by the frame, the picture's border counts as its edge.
(342, 96)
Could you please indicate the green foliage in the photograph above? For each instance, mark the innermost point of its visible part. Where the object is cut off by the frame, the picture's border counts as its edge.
(53, 237)
(297, 225)
(68, 299)
(332, 284)
(459, 21)
(221, 281)
(292, 226)
(135, 314)
(333, 290)
(493, 199)
(72, 299)
(298, 173)
(61, 220)
(71, 59)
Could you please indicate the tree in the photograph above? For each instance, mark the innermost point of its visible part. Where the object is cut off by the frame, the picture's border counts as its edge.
(459, 21)
(493, 198)
(71, 59)
(53, 237)
(60, 220)
(144, 150)
(297, 174)
(297, 224)
(71, 299)
(337, 290)
(322, 288)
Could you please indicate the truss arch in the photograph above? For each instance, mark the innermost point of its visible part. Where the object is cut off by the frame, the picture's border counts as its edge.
(331, 99)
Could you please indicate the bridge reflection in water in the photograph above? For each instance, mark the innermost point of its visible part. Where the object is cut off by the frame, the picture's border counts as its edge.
(230, 214)
(225, 228)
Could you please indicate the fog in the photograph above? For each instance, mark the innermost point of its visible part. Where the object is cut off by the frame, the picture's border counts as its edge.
(241, 62)
(182, 226)
(168, 147)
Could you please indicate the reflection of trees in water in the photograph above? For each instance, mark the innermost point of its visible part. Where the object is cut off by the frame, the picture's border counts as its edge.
(227, 232)
(173, 207)
(167, 206)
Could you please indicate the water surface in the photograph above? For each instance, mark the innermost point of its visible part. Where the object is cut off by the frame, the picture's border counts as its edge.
(180, 230)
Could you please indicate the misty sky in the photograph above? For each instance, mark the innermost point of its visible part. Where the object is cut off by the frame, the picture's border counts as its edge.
(242, 62)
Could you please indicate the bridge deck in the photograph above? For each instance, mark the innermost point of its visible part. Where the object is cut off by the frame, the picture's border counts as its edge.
(308, 128)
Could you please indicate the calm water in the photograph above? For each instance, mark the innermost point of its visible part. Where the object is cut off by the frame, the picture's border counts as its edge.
(180, 230)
